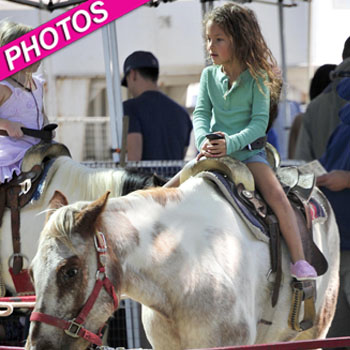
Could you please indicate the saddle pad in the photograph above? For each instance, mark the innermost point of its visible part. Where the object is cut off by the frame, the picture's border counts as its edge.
(317, 211)
(224, 186)
(42, 184)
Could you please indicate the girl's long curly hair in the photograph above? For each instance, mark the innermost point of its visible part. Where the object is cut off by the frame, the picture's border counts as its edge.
(241, 24)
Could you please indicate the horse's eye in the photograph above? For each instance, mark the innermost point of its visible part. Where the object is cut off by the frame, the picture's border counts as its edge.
(71, 272)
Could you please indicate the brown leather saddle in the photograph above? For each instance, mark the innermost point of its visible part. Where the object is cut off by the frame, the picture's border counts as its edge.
(15, 194)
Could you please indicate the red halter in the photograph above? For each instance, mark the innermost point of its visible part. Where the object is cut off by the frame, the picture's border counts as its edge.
(74, 327)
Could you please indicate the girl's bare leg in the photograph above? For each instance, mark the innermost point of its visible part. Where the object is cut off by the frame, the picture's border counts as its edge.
(272, 191)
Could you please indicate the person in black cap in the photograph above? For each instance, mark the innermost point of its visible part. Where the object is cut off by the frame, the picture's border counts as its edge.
(159, 128)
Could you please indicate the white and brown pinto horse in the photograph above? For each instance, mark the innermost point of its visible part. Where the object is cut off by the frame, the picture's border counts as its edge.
(185, 255)
(78, 182)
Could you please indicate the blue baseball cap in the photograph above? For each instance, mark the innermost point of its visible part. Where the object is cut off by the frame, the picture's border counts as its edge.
(139, 59)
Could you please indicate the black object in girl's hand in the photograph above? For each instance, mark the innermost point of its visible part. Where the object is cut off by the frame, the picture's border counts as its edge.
(214, 136)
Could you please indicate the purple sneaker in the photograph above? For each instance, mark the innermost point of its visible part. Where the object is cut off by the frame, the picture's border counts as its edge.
(302, 270)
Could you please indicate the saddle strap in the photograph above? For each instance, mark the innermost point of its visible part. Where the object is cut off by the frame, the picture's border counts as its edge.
(250, 198)
(15, 200)
(275, 254)
(302, 291)
(13, 203)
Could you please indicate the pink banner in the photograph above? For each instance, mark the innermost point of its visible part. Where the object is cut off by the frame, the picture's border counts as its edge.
(60, 32)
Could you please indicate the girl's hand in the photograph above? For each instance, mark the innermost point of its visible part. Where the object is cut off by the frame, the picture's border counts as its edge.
(213, 148)
(336, 180)
(14, 129)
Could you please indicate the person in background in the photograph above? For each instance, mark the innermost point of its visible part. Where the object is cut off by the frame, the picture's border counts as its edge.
(318, 84)
(234, 102)
(21, 105)
(321, 116)
(159, 128)
(336, 186)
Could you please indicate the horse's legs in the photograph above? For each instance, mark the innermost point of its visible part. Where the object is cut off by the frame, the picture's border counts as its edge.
(159, 330)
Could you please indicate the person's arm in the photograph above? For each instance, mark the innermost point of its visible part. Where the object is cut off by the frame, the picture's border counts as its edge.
(336, 180)
(134, 146)
(13, 128)
(203, 112)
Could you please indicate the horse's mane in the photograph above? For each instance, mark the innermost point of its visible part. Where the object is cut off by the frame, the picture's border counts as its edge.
(95, 180)
(63, 220)
(98, 180)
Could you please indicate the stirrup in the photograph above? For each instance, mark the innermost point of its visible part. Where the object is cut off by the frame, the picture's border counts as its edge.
(302, 291)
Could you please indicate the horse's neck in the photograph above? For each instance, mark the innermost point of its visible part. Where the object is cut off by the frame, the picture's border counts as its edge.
(84, 182)
(131, 223)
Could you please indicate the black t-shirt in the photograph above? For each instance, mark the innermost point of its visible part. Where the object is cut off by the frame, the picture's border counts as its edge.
(165, 125)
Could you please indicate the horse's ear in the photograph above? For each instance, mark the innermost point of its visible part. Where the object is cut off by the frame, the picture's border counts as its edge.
(87, 218)
(158, 180)
(58, 200)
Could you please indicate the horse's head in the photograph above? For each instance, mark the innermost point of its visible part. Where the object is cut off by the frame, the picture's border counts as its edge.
(73, 277)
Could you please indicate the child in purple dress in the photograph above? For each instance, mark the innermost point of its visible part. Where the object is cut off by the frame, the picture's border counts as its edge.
(21, 105)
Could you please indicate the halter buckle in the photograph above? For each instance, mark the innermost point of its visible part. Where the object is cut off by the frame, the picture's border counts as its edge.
(100, 275)
(100, 242)
(74, 329)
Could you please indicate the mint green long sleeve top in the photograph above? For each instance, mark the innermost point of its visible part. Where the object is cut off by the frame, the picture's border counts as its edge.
(241, 112)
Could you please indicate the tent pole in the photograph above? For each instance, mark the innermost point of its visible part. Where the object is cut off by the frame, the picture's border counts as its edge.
(286, 122)
(116, 84)
(113, 86)
(283, 50)
(310, 68)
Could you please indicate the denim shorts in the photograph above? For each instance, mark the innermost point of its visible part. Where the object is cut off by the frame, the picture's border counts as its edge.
(260, 157)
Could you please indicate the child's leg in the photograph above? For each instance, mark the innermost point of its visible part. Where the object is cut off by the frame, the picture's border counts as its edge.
(267, 183)
(270, 188)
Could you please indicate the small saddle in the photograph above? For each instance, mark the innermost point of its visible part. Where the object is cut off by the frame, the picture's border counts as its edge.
(41, 152)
